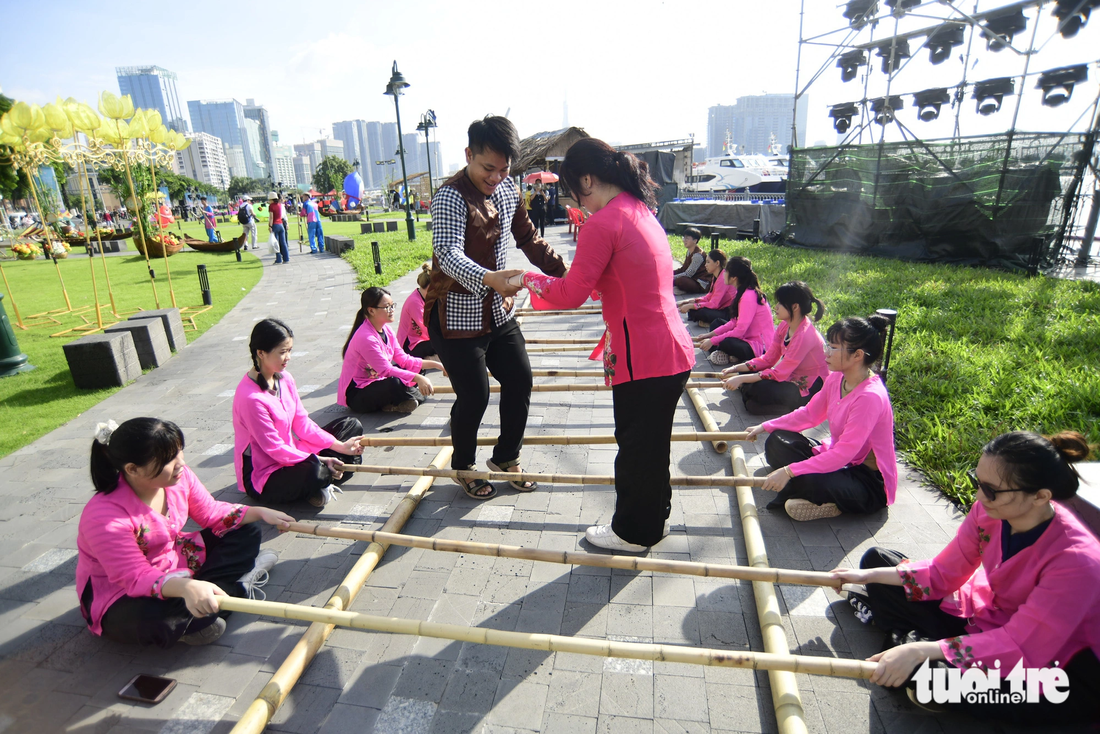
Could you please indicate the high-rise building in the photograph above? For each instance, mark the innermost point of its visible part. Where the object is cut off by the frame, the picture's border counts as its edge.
(204, 160)
(311, 152)
(353, 134)
(225, 119)
(284, 166)
(260, 169)
(331, 147)
(414, 153)
(154, 88)
(303, 174)
(234, 158)
(750, 123)
(268, 137)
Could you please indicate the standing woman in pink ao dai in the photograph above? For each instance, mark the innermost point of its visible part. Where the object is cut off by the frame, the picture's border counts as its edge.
(377, 373)
(622, 252)
(280, 454)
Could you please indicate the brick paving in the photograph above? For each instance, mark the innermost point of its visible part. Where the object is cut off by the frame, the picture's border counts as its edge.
(56, 676)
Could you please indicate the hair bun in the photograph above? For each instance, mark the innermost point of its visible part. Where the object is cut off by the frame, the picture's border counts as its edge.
(1071, 445)
(880, 322)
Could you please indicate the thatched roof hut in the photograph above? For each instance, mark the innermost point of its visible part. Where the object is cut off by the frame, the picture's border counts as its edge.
(534, 151)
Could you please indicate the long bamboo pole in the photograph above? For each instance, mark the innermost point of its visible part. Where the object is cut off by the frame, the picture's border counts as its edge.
(574, 312)
(590, 341)
(562, 348)
(555, 643)
(709, 424)
(572, 558)
(789, 713)
(566, 387)
(507, 476)
(600, 374)
(259, 713)
(566, 440)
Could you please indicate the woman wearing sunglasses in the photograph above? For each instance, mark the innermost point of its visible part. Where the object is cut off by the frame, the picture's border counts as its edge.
(377, 373)
(1020, 582)
(855, 470)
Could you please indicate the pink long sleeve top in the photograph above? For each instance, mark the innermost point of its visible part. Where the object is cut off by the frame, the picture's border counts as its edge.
(622, 252)
(276, 428)
(1041, 605)
(801, 361)
(859, 423)
(126, 548)
(719, 296)
(753, 324)
(371, 358)
(412, 321)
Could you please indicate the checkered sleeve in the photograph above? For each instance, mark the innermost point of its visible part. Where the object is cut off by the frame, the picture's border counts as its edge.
(449, 241)
(506, 199)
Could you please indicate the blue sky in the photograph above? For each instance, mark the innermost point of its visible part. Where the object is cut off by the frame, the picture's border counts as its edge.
(630, 72)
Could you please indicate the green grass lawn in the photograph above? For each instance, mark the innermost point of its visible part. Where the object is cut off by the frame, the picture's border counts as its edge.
(977, 352)
(34, 403)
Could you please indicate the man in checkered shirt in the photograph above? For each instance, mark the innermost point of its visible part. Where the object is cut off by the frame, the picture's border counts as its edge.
(476, 218)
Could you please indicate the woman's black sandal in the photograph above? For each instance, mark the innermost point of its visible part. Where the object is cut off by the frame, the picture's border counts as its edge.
(521, 486)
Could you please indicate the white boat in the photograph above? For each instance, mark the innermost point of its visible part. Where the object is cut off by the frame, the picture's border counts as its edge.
(722, 173)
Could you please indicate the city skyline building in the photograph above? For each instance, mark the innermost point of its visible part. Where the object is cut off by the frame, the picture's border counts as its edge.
(353, 134)
(204, 160)
(154, 88)
(225, 119)
(234, 158)
(752, 120)
(268, 137)
(302, 171)
(284, 166)
(257, 146)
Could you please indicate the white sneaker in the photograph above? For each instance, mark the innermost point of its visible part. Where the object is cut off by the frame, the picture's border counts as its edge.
(668, 527)
(328, 494)
(718, 357)
(604, 537)
(254, 581)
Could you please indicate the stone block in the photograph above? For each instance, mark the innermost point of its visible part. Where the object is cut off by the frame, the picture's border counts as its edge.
(149, 339)
(428, 226)
(365, 228)
(379, 227)
(103, 360)
(173, 325)
(338, 244)
(391, 225)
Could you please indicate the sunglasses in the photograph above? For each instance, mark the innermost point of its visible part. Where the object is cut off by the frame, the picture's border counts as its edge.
(989, 492)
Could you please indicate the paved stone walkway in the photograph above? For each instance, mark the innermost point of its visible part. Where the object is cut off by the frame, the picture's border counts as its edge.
(56, 676)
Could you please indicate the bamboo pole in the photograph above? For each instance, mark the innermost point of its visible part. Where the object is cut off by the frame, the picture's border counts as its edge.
(564, 387)
(573, 558)
(563, 348)
(562, 312)
(590, 341)
(600, 374)
(259, 713)
(811, 665)
(709, 424)
(566, 440)
(507, 476)
(7, 287)
(789, 713)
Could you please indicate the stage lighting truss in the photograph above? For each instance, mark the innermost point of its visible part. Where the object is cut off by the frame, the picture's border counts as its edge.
(899, 7)
(1057, 84)
(942, 41)
(1072, 15)
(929, 101)
(991, 93)
(860, 12)
(842, 115)
(884, 108)
(849, 64)
(892, 52)
(999, 30)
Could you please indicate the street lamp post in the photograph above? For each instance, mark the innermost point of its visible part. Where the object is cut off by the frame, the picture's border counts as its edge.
(395, 88)
(427, 122)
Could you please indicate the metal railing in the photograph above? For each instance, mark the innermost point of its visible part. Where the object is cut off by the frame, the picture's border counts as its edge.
(729, 196)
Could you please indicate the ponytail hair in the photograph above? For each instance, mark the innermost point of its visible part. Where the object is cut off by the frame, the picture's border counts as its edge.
(424, 276)
(868, 334)
(138, 441)
(370, 299)
(593, 157)
(266, 335)
(797, 292)
(1031, 462)
(741, 268)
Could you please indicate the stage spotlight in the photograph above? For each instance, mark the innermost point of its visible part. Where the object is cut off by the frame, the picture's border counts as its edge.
(859, 12)
(842, 115)
(1057, 84)
(943, 41)
(1006, 26)
(929, 101)
(1072, 15)
(849, 64)
(991, 93)
(892, 53)
(898, 7)
(885, 107)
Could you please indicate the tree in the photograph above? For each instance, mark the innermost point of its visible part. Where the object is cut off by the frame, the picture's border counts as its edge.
(330, 174)
(12, 184)
(239, 185)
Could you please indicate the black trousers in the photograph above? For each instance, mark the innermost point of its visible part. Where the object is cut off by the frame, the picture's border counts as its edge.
(739, 349)
(769, 397)
(708, 315)
(924, 620)
(855, 489)
(308, 477)
(504, 352)
(688, 284)
(379, 394)
(538, 218)
(644, 411)
(423, 350)
(145, 620)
